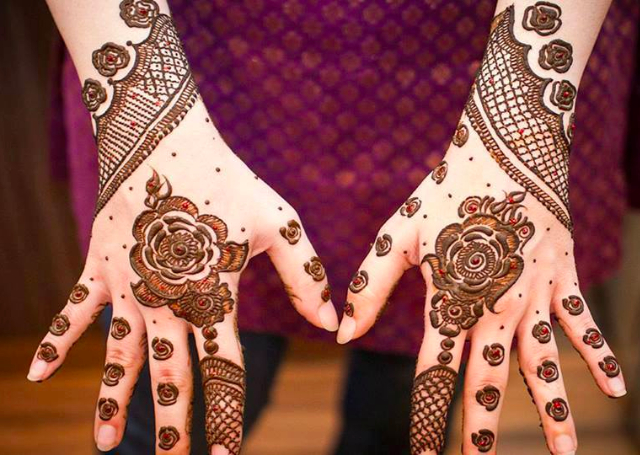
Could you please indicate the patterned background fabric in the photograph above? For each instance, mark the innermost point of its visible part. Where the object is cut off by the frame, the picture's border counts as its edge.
(343, 107)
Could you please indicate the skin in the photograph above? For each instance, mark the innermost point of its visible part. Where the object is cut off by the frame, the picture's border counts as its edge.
(548, 277)
(200, 167)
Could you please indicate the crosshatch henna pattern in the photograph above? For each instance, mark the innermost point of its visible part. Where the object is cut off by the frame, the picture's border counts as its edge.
(531, 131)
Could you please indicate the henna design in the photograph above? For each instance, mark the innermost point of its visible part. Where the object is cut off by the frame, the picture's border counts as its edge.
(120, 328)
(571, 127)
(593, 338)
(224, 390)
(315, 269)
(489, 397)
(349, 309)
(292, 232)
(59, 325)
(494, 354)
(162, 348)
(383, 245)
(563, 94)
(528, 129)
(148, 103)
(107, 408)
(610, 366)
(325, 295)
(477, 261)
(461, 136)
(440, 171)
(359, 281)
(542, 332)
(167, 394)
(113, 372)
(557, 409)
(79, 293)
(543, 18)
(483, 440)
(93, 94)
(430, 399)
(410, 207)
(168, 437)
(110, 58)
(573, 304)
(557, 55)
(548, 371)
(47, 352)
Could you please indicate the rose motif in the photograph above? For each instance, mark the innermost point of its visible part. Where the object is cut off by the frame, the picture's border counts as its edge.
(483, 440)
(573, 304)
(440, 172)
(593, 338)
(359, 281)
(79, 292)
(113, 372)
(610, 366)
(107, 408)
(167, 394)
(47, 352)
(557, 409)
(563, 94)
(325, 295)
(204, 308)
(292, 232)
(93, 94)
(315, 268)
(109, 59)
(139, 13)
(548, 371)
(349, 309)
(489, 397)
(410, 207)
(168, 437)
(452, 315)
(162, 348)
(59, 325)
(383, 245)
(543, 18)
(557, 55)
(542, 332)
(461, 136)
(120, 328)
(493, 354)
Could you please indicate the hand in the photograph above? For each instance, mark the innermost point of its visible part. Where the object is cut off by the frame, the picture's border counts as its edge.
(167, 251)
(492, 237)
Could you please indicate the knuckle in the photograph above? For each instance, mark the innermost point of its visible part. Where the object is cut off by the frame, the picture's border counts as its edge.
(173, 375)
(123, 356)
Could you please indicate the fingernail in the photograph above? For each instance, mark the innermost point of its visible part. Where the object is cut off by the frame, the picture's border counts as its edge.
(328, 317)
(106, 437)
(347, 329)
(564, 445)
(617, 387)
(36, 372)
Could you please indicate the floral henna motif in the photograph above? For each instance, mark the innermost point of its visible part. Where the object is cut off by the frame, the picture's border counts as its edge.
(292, 232)
(542, 332)
(93, 94)
(461, 136)
(359, 281)
(573, 304)
(167, 394)
(440, 172)
(477, 261)
(110, 58)
(610, 366)
(483, 440)
(107, 408)
(162, 348)
(493, 354)
(563, 94)
(593, 338)
(120, 328)
(557, 55)
(168, 437)
(349, 309)
(315, 269)
(557, 409)
(325, 295)
(139, 13)
(410, 207)
(79, 293)
(548, 371)
(47, 352)
(489, 397)
(383, 245)
(59, 325)
(113, 372)
(543, 18)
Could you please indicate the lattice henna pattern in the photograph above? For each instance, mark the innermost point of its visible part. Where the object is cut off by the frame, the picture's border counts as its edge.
(147, 105)
(512, 99)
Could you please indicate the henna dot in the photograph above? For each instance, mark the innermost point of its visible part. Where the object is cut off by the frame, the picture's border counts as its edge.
(550, 281)
(242, 229)
(424, 243)
(255, 177)
(173, 153)
(206, 202)
(501, 327)
(537, 311)
(154, 321)
(424, 216)
(470, 158)
(110, 217)
(207, 120)
(404, 252)
(548, 229)
(535, 260)
(566, 253)
(91, 279)
(279, 208)
(129, 43)
(122, 296)
(217, 169)
(449, 195)
(488, 185)
(130, 188)
(575, 284)
(106, 258)
(520, 295)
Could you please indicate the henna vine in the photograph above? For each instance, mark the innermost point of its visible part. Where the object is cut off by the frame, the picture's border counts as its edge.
(110, 58)
(59, 325)
(349, 309)
(610, 366)
(573, 304)
(359, 281)
(325, 295)
(548, 371)
(593, 338)
(107, 408)
(542, 332)
(120, 328)
(93, 94)
(315, 269)
(168, 437)
(563, 94)
(461, 136)
(489, 397)
(543, 18)
(162, 348)
(572, 126)
(47, 352)
(79, 293)
(292, 232)
(113, 372)
(557, 55)
(440, 172)
(483, 440)
(557, 409)
(410, 207)
(167, 394)
(494, 354)
(139, 13)
(383, 245)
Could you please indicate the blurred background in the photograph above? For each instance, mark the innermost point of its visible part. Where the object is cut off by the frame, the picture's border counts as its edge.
(40, 260)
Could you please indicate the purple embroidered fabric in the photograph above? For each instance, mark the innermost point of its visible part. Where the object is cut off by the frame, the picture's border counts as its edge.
(343, 107)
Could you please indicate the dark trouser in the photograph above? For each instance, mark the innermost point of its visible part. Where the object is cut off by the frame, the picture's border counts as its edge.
(375, 409)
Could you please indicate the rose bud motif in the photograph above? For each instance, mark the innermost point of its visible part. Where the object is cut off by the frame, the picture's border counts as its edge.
(410, 207)
(440, 172)
(120, 328)
(542, 332)
(47, 352)
(543, 18)
(548, 371)
(109, 59)
(563, 94)
(383, 245)
(483, 440)
(292, 232)
(325, 295)
(349, 309)
(167, 394)
(139, 13)
(168, 437)
(573, 304)
(557, 55)
(461, 135)
(610, 366)
(315, 269)
(162, 348)
(359, 281)
(93, 94)
(493, 354)
(489, 397)
(557, 409)
(593, 338)
(572, 126)
(79, 292)
(113, 372)
(107, 408)
(59, 325)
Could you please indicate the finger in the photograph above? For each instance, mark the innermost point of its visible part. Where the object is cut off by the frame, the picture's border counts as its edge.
(88, 297)
(171, 379)
(578, 324)
(539, 363)
(126, 352)
(373, 284)
(302, 273)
